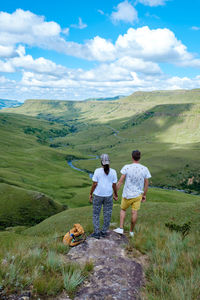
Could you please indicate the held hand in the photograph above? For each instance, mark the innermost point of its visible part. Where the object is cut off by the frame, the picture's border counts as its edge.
(143, 198)
(115, 197)
(90, 198)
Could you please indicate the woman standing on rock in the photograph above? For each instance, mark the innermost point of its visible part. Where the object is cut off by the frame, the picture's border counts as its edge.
(104, 183)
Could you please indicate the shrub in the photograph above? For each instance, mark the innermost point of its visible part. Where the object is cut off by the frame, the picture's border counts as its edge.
(184, 229)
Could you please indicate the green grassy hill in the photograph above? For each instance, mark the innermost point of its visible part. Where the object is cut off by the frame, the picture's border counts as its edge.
(164, 125)
(23, 207)
(52, 110)
(108, 110)
(29, 163)
(161, 207)
(173, 263)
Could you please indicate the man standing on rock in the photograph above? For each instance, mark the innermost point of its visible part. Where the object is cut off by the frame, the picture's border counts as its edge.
(136, 185)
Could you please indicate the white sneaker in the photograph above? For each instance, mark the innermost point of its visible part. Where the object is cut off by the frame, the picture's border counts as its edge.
(119, 230)
(131, 233)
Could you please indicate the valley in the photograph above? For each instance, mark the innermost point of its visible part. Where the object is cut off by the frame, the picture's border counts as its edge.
(40, 136)
(42, 196)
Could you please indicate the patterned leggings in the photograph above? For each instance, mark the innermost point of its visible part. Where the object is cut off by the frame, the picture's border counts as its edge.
(107, 203)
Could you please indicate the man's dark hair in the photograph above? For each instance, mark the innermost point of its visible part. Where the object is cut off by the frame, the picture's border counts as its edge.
(136, 154)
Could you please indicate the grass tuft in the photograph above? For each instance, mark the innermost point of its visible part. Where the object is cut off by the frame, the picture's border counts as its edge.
(54, 262)
(72, 280)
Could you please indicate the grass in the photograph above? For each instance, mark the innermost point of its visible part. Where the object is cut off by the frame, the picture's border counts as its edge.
(35, 180)
(161, 205)
(72, 279)
(38, 138)
(173, 268)
(36, 260)
(34, 166)
(24, 207)
(38, 265)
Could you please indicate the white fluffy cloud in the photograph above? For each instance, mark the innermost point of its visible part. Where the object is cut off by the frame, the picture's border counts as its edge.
(35, 85)
(39, 65)
(26, 62)
(22, 21)
(158, 45)
(124, 12)
(7, 51)
(120, 70)
(24, 26)
(130, 63)
(152, 2)
(139, 65)
(29, 29)
(6, 67)
(99, 49)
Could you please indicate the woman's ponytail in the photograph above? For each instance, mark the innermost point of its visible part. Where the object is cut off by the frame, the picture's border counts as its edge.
(106, 169)
(105, 163)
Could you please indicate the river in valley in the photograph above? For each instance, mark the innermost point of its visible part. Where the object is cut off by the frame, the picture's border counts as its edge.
(70, 163)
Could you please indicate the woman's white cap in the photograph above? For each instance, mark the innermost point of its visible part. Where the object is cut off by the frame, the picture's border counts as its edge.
(105, 159)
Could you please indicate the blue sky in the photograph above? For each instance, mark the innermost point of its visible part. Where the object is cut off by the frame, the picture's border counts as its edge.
(77, 49)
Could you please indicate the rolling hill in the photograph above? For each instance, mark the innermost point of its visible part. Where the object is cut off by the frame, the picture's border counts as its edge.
(38, 252)
(30, 167)
(39, 137)
(164, 125)
(23, 207)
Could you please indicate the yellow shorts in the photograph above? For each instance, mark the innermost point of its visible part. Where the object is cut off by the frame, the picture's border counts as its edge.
(133, 202)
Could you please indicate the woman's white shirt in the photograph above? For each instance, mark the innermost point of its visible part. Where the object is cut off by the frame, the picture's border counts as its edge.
(104, 182)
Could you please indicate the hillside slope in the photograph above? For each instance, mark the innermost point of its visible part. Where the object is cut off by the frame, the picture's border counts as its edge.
(105, 111)
(38, 252)
(161, 206)
(164, 125)
(27, 159)
(23, 207)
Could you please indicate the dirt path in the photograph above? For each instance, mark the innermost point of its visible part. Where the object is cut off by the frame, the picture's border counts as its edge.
(115, 276)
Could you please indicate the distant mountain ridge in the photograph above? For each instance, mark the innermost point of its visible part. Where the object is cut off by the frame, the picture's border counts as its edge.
(105, 99)
(5, 103)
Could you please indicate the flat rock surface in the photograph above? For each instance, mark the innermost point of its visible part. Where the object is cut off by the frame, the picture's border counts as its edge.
(115, 276)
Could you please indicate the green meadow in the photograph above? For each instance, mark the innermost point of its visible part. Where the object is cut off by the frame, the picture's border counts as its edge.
(173, 264)
(41, 196)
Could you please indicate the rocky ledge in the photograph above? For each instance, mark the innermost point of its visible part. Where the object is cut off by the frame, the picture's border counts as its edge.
(115, 276)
